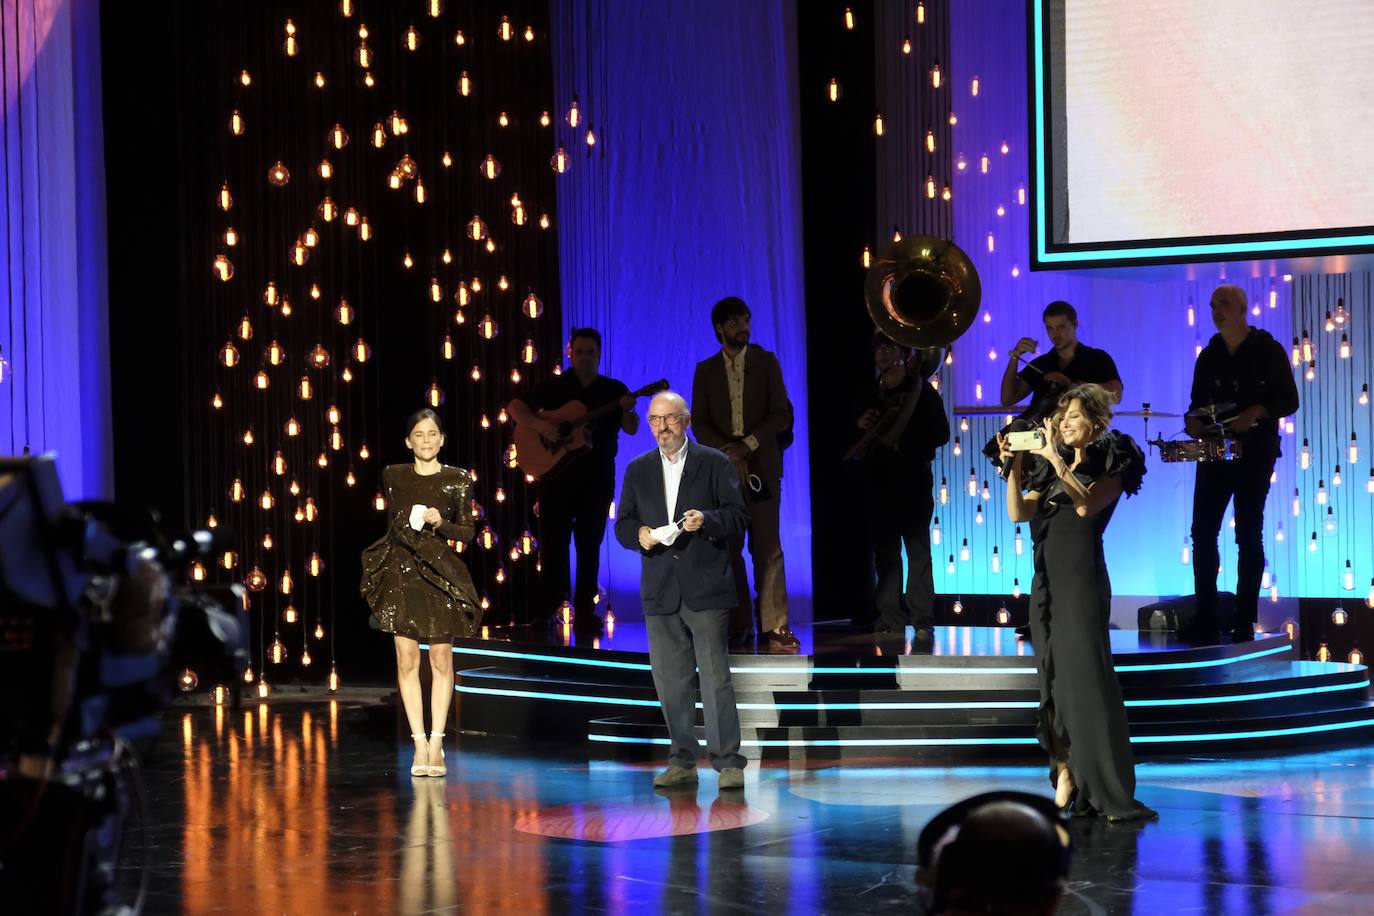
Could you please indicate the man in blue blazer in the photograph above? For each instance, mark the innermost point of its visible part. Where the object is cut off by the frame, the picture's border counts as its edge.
(687, 585)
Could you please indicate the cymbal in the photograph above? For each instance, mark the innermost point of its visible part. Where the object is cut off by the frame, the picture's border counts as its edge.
(1147, 412)
(980, 410)
(1211, 410)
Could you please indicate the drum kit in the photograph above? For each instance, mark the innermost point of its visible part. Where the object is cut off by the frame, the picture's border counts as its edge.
(1217, 447)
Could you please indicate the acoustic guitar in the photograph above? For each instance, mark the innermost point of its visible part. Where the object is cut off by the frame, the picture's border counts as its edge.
(542, 457)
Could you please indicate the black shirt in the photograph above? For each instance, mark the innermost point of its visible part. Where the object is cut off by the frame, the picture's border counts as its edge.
(1257, 373)
(603, 434)
(926, 431)
(1088, 364)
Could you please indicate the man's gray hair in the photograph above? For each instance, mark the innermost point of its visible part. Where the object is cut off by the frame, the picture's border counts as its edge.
(1232, 293)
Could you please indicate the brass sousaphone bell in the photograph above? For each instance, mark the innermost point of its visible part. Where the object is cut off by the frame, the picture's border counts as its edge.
(923, 293)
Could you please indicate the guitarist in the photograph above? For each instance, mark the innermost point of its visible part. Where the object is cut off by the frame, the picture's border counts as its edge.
(576, 503)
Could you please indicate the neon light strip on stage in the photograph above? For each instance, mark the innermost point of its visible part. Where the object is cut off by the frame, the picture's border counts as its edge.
(907, 669)
(874, 707)
(998, 742)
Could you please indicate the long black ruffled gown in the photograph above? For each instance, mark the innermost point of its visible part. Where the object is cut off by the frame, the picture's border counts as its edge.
(1082, 716)
(415, 583)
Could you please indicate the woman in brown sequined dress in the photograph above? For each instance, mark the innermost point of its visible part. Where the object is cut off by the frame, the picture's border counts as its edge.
(416, 584)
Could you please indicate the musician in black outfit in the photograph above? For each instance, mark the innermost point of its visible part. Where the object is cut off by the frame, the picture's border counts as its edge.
(908, 423)
(1248, 369)
(576, 503)
(1051, 374)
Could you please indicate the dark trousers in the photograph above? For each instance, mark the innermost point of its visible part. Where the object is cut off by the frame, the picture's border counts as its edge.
(1247, 481)
(574, 506)
(681, 645)
(770, 577)
(898, 515)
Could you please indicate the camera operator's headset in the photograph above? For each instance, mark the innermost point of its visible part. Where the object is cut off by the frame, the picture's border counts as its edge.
(944, 860)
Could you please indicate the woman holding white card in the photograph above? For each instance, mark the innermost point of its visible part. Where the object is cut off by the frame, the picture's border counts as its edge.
(416, 584)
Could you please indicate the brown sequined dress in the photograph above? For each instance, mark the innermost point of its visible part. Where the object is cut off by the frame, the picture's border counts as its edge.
(415, 583)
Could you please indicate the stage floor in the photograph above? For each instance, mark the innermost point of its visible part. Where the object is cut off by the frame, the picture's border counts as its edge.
(307, 807)
(839, 638)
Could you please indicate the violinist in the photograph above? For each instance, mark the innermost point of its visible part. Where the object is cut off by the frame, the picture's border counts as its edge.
(902, 427)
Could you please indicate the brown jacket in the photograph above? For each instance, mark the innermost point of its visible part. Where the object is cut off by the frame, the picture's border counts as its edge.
(767, 409)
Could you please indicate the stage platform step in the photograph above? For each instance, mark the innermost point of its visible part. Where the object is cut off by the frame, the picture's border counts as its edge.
(863, 699)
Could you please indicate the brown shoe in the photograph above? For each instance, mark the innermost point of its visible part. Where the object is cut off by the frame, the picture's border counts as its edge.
(783, 640)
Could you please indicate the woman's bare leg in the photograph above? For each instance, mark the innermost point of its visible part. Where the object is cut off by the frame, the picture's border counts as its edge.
(440, 696)
(408, 682)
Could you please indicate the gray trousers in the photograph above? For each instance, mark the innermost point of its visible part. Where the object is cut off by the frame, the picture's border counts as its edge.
(680, 645)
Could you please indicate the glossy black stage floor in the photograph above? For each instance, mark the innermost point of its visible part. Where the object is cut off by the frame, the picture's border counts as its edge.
(972, 695)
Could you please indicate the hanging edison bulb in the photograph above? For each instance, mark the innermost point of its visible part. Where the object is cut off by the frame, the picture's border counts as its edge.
(560, 160)
(278, 175)
(378, 138)
(256, 580)
(310, 238)
(364, 230)
(544, 221)
(337, 137)
(279, 463)
(906, 44)
(487, 327)
(229, 355)
(223, 268)
(504, 30)
(290, 44)
(287, 583)
(228, 559)
(300, 253)
(363, 452)
(434, 395)
(935, 75)
(346, 374)
(518, 215)
(464, 81)
(1323, 653)
(224, 200)
(490, 168)
(544, 119)
(878, 124)
(476, 373)
(236, 123)
(476, 229)
(419, 191)
(304, 389)
(315, 291)
(361, 351)
(412, 39)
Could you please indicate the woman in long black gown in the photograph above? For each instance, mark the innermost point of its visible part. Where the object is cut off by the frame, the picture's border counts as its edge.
(1071, 487)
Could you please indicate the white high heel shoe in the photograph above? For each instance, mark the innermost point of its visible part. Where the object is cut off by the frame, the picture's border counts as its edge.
(437, 769)
(417, 768)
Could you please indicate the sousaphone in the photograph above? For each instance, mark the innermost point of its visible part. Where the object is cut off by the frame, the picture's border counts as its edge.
(923, 293)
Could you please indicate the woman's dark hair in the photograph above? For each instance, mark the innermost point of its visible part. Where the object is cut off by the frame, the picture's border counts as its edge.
(1097, 405)
(424, 413)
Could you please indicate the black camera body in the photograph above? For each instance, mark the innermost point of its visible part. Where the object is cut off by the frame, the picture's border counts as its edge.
(94, 621)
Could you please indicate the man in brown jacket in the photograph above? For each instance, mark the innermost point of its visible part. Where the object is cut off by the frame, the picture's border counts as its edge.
(740, 406)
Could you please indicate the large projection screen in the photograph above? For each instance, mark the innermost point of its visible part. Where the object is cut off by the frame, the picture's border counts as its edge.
(1194, 130)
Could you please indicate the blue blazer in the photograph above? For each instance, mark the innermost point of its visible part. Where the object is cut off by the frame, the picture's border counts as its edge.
(695, 570)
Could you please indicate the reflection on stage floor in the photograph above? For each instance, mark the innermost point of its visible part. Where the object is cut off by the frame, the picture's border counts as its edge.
(307, 807)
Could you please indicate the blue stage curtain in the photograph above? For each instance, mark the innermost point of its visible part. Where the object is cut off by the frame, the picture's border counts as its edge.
(691, 193)
(53, 315)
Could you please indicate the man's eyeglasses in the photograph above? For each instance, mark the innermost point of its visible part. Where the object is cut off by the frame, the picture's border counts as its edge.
(665, 419)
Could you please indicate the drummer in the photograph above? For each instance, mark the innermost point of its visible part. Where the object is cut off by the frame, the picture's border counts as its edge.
(1242, 386)
(1052, 373)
